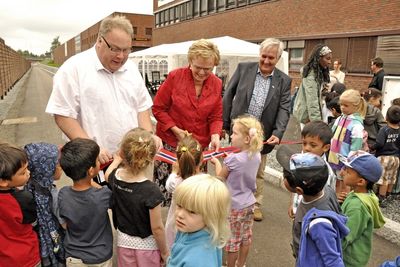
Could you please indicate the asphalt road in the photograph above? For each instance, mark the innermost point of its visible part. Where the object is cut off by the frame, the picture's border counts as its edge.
(271, 236)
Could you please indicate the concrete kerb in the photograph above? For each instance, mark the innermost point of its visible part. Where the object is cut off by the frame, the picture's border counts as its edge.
(390, 231)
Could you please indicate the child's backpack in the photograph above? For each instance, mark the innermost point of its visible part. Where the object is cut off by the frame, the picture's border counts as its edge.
(43, 159)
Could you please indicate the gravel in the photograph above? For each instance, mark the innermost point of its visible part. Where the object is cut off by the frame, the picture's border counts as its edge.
(390, 211)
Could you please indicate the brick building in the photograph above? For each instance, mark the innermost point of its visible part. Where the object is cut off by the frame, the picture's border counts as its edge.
(142, 28)
(356, 31)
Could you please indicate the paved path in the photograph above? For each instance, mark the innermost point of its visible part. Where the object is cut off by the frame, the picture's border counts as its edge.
(271, 236)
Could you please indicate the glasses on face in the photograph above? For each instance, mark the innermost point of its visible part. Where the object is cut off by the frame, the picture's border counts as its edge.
(202, 68)
(117, 50)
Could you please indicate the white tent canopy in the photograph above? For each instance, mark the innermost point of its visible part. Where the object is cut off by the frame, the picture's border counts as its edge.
(166, 57)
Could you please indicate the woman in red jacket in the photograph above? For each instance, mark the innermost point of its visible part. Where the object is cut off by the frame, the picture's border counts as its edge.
(189, 101)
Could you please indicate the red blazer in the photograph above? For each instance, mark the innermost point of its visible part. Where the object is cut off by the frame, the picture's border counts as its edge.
(176, 104)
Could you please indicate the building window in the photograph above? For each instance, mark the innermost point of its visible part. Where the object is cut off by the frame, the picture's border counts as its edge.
(157, 19)
(166, 16)
(211, 6)
(149, 31)
(254, 1)
(177, 13)
(388, 48)
(189, 10)
(230, 4)
(196, 8)
(134, 30)
(171, 15)
(221, 5)
(203, 7)
(360, 52)
(296, 53)
(241, 2)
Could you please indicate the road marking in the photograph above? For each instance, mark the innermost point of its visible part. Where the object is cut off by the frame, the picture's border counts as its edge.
(21, 120)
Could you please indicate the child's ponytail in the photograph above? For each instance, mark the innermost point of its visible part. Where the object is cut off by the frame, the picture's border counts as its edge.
(189, 155)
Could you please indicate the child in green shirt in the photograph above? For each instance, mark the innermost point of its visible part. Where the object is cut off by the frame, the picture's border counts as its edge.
(361, 206)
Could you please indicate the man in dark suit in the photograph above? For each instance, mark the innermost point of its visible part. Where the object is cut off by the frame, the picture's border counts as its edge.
(261, 90)
(379, 73)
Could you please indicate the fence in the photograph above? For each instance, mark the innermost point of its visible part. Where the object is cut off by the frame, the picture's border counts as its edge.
(12, 67)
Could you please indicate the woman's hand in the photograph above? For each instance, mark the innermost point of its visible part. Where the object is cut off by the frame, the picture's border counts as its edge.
(214, 144)
(179, 133)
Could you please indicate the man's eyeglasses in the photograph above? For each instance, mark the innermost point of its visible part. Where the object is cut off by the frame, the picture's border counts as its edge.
(117, 50)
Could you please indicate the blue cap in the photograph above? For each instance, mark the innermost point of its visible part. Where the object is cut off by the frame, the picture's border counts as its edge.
(367, 165)
(309, 168)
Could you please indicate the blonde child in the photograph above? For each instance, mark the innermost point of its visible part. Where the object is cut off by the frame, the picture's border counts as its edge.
(189, 158)
(348, 132)
(137, 203)
(240, 170)
(202, 206)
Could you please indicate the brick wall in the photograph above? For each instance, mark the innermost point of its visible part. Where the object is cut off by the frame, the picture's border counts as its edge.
(289, 19)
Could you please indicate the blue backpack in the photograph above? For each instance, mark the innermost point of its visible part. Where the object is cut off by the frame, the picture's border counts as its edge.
(43, 159)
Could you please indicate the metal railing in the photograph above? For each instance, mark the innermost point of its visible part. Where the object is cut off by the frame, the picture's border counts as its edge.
(12, 67)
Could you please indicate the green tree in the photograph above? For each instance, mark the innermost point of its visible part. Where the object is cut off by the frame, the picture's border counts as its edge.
(55, 43)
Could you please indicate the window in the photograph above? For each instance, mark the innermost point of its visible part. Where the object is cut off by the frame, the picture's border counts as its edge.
(196, 8)
(166, 16)
(296, 53)
(157, 20)
(203, 7)
(171, 15)
(183, 11)
(153, 66)
(149, 31)
(221, 5)
(134, 30)
(211, 6)
(254, 1)
(241, 2)
(230, 4)
(360, 52)
(339, 47)
(177, 13)
(388, 48)
(189, 10)
(163, 67)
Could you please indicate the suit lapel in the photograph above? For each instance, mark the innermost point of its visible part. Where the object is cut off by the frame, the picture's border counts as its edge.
(250, 81)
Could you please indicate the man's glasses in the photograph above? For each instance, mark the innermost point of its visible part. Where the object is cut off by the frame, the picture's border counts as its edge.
(117, 50)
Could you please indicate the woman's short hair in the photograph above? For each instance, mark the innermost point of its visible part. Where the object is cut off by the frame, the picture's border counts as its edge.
(117, 22)
(272, 42)
(207, 196)
(205, 49)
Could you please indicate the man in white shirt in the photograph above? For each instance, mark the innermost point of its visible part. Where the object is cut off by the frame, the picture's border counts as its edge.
(99, 94)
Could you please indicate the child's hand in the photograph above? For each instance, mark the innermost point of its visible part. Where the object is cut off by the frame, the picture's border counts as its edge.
(214, 160)
(291, 213)
(164, 258)
(341, 197)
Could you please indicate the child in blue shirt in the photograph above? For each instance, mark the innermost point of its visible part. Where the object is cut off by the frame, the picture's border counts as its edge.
(202, 208)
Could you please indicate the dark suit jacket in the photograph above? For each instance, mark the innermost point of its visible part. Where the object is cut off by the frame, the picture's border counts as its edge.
(238, 94)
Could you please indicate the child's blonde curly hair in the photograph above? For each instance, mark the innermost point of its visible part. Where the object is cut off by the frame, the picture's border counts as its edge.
(250, 126)
(137, 149)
